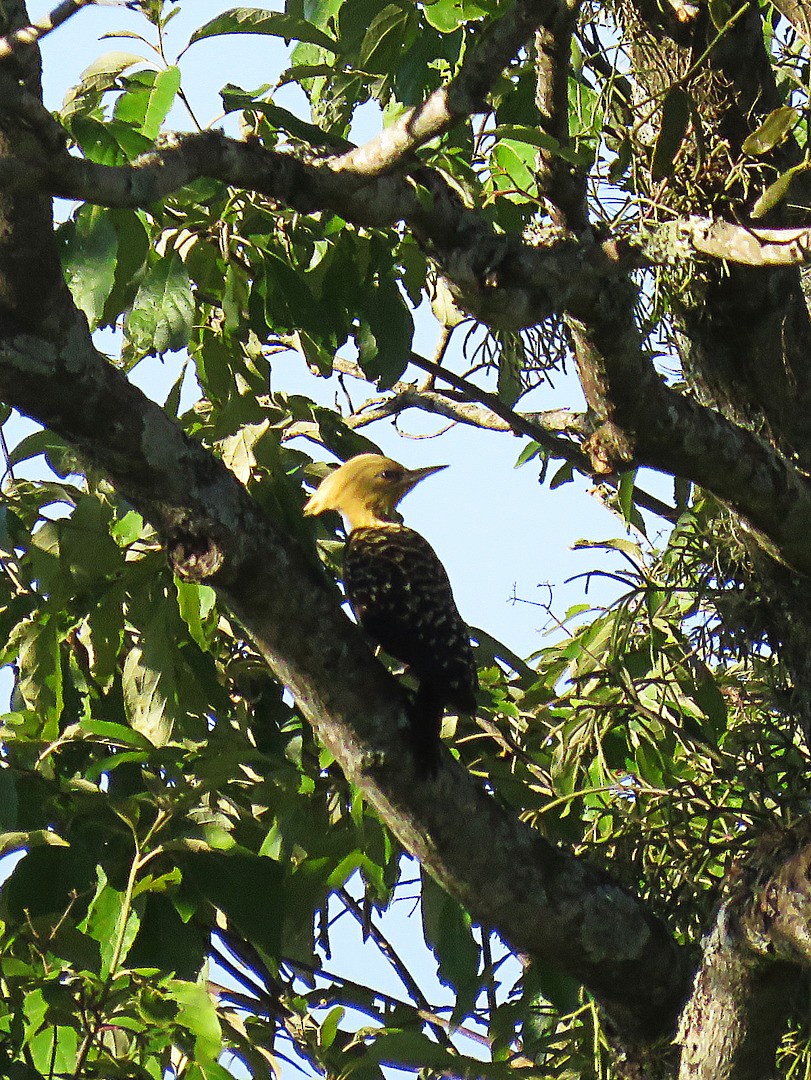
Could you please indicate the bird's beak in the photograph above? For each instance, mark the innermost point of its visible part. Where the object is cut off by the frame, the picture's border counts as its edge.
(411, 477)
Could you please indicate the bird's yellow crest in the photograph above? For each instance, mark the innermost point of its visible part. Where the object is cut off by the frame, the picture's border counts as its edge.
(366, 489)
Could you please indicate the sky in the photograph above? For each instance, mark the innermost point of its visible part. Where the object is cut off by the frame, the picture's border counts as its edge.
(504, 539)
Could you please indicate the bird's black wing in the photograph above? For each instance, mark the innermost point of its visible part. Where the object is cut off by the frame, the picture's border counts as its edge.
(401, 595)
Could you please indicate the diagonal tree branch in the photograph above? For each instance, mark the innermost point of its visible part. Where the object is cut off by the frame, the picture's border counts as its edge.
(798, 15)
(491, 415)
(464, 95)
(542, 900)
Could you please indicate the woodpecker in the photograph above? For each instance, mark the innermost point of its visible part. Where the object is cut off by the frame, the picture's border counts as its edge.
(400, 592)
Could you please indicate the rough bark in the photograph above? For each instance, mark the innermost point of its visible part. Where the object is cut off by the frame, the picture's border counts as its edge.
(751, 966)
(545, 902)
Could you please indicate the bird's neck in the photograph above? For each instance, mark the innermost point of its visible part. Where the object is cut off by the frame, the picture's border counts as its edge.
(359, 516)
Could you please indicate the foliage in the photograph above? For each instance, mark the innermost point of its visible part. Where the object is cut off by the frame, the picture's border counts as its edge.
(172, 807)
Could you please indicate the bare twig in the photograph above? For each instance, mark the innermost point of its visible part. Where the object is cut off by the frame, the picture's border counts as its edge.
(443, 341)
(524, 424)
(390, 953)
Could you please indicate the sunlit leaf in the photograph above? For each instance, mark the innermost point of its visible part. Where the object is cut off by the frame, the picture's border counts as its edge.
(259, 21)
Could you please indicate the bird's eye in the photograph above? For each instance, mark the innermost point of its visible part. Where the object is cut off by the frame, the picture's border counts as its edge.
(390, 474)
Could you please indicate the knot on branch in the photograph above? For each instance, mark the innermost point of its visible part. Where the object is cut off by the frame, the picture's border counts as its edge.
(772, 892)
(609, 450)
(195, 554)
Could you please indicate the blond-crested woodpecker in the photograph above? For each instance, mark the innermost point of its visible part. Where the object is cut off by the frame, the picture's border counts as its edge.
(400, 592)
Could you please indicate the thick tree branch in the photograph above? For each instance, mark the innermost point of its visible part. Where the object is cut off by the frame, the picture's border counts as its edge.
(751, 963)
(719, 239)
(464, 95)
(645, 421)
(543, 901)
(504, 282)
(732, 1024)
(563, 184)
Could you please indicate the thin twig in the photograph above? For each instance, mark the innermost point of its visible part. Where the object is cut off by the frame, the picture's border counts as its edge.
(390, 953)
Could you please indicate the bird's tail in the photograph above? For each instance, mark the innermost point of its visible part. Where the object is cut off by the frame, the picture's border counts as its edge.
(427, 708)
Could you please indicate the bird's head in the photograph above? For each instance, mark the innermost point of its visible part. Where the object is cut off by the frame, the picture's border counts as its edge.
(366, 489)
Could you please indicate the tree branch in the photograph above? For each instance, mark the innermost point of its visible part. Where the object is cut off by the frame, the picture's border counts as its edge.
(732, 1024)
(508, 283)
(543, 901)
(751, 963)
(797, 14)
(720, 239)
(464, 95)
(36, 31)
(563, 184)
(645, 421)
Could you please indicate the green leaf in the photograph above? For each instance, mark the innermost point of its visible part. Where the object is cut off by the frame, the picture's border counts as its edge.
(776, 192)
(625, 494)
(385, 334)
(161, 100)
(197, 1014)
(86, 549)
(446, 927)
(510, 365)
(115, 733)
(386, 38)
(259, 21)
(132, 252)
(145, 696)
(676, 110)
(245, 887)
(105, 623)
(109, 922)
(89, 260)
(448, 15)
(196, 603)
(9, 802)
(531, 450)
(168, 943)
(53, 1050)
(39, 665)
(103, 74)
(234, 99)
(329, 1027)
(774, 129)
(162, 313)
(518, 161)
(564, 475)
(720, 12)
(289, 301)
